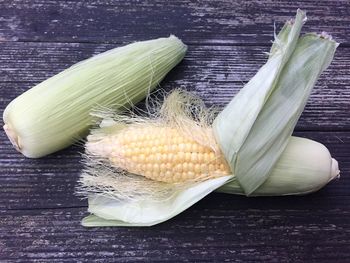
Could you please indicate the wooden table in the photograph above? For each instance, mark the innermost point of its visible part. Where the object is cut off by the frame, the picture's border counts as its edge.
(39, 213)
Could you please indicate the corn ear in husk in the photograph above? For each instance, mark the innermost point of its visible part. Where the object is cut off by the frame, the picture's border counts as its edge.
(56, 113)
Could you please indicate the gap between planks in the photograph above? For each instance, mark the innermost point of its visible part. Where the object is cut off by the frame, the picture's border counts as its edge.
(188, 43)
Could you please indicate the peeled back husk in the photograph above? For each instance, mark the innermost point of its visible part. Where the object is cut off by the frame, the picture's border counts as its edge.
(56, 113)
(255, 127)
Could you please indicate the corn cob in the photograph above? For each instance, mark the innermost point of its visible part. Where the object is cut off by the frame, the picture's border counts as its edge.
(176, 161)
(165, 154)
(160, 153)
(187, 152)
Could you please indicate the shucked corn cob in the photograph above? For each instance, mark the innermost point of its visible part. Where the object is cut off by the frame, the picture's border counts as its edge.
(165, 152)
(180, 163)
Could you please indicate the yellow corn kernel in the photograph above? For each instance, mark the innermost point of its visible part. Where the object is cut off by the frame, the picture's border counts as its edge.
(164, 154)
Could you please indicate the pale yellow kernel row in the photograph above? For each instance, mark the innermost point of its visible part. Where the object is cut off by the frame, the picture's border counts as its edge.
(163, 154)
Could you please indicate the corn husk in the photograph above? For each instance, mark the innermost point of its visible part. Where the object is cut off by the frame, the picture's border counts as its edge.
(305, 166)
(254, 128)
(56, 113)
(110, 211)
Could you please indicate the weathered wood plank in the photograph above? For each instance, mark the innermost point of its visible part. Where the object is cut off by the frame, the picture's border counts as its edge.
(216, 229)
(217, 22)
(216, 73)
(39, 213)
(49, 182)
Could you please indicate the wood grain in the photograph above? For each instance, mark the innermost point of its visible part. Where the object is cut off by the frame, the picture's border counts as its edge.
(210, 22)
(218, 228)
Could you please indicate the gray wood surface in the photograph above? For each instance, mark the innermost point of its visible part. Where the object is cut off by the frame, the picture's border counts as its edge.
(39, 213)
(202, 21)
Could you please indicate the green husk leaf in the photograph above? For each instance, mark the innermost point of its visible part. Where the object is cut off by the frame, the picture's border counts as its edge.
(56, 113)
(109, 211)
(255, 127)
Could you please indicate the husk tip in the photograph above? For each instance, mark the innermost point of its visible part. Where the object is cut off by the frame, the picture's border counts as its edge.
(335, 173)
(327, 36)
(13, 137)
(175, 38)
